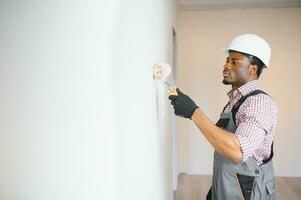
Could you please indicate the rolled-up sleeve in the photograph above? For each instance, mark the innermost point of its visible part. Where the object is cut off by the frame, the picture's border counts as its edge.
(255, 121)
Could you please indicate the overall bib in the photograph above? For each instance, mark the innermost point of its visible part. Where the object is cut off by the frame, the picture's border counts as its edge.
(246, 180)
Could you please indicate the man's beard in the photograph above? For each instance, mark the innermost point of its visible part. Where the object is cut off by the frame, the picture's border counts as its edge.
(226, 82)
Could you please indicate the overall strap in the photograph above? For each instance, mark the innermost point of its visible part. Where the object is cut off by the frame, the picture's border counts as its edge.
(265, 161)
(242, 100)
(226, 106)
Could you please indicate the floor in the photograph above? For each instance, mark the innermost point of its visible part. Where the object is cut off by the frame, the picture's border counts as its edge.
(195, 187)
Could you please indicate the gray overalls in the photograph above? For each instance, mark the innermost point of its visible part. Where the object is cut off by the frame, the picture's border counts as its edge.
(246, 180)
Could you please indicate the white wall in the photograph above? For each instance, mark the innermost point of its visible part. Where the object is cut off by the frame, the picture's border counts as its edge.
(143, 38)
(200, 36)
(78, 104)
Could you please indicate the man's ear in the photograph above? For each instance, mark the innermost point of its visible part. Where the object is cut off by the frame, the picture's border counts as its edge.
(253, 69)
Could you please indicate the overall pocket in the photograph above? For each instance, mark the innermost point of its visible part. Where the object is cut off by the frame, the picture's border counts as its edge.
(270, 189)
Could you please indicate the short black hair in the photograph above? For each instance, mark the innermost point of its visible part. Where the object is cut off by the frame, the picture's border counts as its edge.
(256, 61)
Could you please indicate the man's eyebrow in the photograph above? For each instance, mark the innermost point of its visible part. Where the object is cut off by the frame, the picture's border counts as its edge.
(232, 58)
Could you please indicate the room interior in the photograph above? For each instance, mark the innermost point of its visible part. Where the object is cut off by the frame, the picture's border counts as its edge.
(83, 118)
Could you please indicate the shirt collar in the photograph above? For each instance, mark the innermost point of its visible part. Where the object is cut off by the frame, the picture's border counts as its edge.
(244, 89)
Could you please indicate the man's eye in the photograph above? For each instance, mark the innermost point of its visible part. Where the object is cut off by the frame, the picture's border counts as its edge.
(233, 62)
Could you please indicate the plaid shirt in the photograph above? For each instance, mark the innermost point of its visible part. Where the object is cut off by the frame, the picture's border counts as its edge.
(256, 122)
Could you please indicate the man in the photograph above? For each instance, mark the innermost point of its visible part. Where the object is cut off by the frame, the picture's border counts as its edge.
(243, 136)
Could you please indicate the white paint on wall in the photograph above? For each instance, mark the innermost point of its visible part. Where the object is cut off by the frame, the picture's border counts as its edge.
(200, 36)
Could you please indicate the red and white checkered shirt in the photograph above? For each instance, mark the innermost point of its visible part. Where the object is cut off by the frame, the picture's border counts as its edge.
(256, 121)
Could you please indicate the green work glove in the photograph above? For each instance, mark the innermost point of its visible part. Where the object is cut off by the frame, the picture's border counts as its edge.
(183, 104)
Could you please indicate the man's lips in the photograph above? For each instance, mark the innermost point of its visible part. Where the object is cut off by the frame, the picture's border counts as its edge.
(226, 73)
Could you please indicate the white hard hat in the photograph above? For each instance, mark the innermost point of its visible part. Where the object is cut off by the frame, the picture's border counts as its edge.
(253, 45)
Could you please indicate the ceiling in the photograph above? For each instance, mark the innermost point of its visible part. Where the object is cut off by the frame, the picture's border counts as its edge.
(236, 4)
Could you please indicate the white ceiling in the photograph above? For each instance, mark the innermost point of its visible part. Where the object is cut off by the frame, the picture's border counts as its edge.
(236, 4)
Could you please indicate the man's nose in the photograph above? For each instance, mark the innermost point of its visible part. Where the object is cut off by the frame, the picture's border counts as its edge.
(226, 66)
